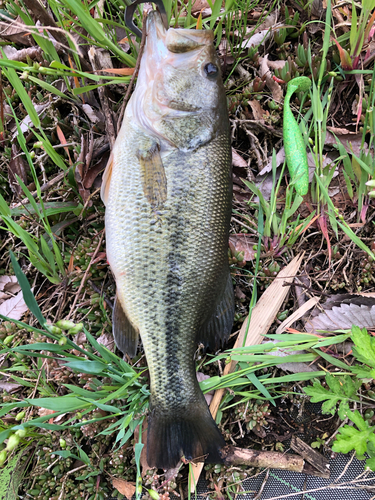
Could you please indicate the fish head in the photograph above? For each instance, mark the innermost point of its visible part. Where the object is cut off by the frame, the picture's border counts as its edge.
(179, 95)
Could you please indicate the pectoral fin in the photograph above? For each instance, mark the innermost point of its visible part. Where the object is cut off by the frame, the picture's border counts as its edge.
(124, 333)
(154, 181)
(217, 329)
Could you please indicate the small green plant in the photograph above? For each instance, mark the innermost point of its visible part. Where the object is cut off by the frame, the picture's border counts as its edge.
(124, 398)
(280, 35)
(359, 171)
(359, 33)
(279, 226)
(361, 438)
(341, 392)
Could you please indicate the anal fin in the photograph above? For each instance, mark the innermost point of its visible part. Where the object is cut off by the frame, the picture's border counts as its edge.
(124, 333)
(218, 327)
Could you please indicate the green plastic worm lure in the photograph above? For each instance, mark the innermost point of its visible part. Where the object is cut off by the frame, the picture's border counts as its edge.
(294, 145)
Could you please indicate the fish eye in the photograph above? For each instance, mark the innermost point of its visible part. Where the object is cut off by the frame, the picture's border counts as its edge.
(211, 70)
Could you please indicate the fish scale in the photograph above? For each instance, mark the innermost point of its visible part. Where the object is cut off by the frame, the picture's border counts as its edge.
(167, 223)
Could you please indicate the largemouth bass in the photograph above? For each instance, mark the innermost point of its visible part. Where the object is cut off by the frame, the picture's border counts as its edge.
(167, 190)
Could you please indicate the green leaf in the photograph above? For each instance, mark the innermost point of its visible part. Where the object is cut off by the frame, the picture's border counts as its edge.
(364, 349)
(83, 456)
(109, 408)
(106, 354)
(370, 462)
(51, 208)
(66, 454)
(4, 208)
(49, 149)
(48, 87)
(85, 393)
(319, 393)
(29, 196)
(363, 371)
(335, 361)
(41, 346)
(61, 403)
(341, 389)
(16, 83)
(258, 384)
(350, 438)
(26, 290)
(84, 366)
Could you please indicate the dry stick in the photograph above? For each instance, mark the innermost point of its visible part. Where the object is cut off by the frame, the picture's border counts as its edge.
(85, 276)
(312, 456)
(138, 63)
(262, 318)
(109, 125)
(239, 456)
(43, 188)
(264, 482)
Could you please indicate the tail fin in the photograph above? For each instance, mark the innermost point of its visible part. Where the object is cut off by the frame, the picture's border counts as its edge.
(192, 434)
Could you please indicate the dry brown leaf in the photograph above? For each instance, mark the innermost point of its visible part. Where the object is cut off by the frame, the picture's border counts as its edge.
(341, 131)
(107, 340)
(117, 71)
(342, 312)
(14, 307)
(6, 279)
(10, 387)
(94, 115)
(276, 64)
(81, 170)
(17, 166)
(277, 91)
(237, 159)
(351, 142)
(257, 110)
(17, 32)
(124, 487)
(280, 157)
(80, 338)
(43, 412)
(244, 243)
(317, 9)
(258, 39)
(23, 54)
(11, 288)
(199, 5)
(92, 174)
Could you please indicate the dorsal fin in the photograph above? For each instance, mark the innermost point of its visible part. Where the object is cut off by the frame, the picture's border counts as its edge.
(217, 328)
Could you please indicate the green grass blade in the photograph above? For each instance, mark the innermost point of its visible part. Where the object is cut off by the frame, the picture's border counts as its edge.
(26, 290)
(16, 83)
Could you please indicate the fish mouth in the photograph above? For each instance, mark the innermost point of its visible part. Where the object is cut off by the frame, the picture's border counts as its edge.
(175, 41)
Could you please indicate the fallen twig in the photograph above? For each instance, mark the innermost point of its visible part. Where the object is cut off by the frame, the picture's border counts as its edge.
(239, 456)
